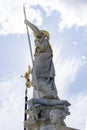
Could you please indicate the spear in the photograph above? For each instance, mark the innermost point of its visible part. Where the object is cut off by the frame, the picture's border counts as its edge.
(31, 52)
(32, 63)
(25, 114)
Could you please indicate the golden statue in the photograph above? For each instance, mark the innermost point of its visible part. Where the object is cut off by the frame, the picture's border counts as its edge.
(27, 77)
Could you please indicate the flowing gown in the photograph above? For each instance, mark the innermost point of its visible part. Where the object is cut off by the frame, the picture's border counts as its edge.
(44, 70)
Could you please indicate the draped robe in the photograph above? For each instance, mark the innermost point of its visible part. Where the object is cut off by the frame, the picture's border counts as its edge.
(44, 70)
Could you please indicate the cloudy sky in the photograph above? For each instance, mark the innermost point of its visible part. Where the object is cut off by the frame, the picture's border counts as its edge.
(66, 21)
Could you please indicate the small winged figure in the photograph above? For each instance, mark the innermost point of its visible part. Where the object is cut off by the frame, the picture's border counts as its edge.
(27, 77)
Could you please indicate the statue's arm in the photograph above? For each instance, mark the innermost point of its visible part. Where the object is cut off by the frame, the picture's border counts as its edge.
(33, 28)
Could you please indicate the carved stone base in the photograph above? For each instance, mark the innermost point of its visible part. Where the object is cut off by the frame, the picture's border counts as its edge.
(49, 127)
(47, 114)
(58, 128)
(64, 128)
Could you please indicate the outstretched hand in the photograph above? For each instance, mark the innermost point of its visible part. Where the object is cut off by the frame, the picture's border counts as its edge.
(33, 28)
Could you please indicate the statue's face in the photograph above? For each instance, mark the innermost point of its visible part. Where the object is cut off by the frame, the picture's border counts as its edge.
(38, 40)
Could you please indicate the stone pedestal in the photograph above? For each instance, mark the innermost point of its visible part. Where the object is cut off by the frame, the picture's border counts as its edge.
(64, 128)
(47, 114)
(58, 128)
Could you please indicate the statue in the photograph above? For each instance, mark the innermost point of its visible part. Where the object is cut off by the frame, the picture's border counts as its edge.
(44, 68)
(46, 110)
(27, 77)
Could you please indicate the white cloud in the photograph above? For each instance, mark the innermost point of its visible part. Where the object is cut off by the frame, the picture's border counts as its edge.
(86, 124)
(84, 60)
(73, 13)
(78, 110)
(12, 19)
(67, 69)
(12, 92)
(75, 42)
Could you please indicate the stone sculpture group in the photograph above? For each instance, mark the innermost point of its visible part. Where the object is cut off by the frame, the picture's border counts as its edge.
(46, 110)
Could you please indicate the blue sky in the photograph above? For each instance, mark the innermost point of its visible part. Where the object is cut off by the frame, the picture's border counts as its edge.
(66, 21)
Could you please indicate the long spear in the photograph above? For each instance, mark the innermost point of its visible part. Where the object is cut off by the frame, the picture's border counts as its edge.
(32, 63)
(31, 52)
(25, 114)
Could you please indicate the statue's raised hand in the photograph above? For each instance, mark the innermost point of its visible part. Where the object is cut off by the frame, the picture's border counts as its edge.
(33, 28)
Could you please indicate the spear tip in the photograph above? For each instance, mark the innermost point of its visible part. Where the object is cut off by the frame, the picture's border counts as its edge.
(24, 8)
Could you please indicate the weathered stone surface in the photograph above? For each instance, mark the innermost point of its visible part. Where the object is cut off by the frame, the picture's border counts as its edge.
(50, 127)
(64, 128)
(41, 108)
(48, 102)
(46, 111)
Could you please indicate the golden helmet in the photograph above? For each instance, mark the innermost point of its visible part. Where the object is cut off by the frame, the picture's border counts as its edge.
(44, 32)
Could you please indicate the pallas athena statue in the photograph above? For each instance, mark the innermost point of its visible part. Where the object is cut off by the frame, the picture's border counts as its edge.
(44, 67)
